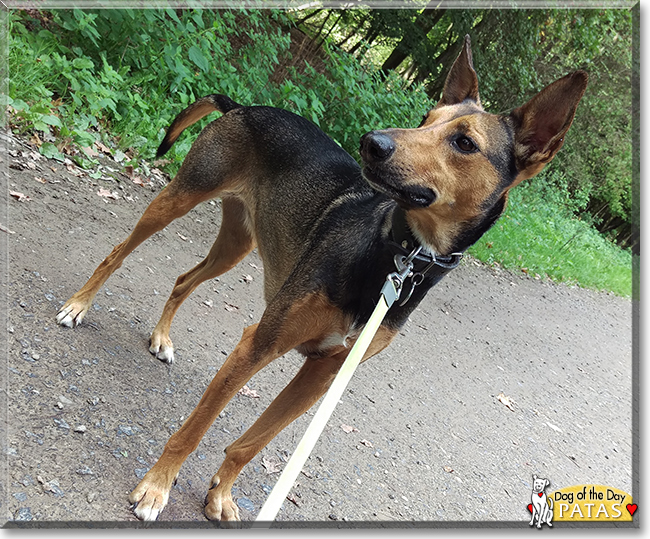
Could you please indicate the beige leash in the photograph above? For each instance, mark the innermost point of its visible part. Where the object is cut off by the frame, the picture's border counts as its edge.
(389, 294)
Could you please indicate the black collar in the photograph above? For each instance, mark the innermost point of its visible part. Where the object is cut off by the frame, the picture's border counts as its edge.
(403, 242)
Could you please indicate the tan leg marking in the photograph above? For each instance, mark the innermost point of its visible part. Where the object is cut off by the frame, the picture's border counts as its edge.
(310, 384)
(233, 243)
(281, 329)
(167, 206)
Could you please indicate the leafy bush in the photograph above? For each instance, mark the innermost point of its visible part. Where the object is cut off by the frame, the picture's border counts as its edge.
(130, 71)
(547, 240)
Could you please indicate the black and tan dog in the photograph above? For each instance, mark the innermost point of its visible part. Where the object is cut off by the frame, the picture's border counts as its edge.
(328, 233)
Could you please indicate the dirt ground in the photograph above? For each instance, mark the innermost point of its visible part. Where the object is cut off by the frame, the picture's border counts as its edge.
(495, 377)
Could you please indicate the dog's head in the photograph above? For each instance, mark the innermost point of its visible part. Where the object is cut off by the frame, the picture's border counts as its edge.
(452, 174)
(539, 484)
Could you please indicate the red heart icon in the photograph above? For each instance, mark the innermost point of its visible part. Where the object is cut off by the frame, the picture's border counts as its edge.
(530, 507)
(631, 508)
(541, 494)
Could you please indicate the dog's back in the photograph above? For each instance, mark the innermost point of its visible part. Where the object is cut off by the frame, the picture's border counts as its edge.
(287, 172)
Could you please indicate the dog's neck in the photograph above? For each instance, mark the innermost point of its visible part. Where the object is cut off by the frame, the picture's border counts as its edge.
(403, 240)
(401, 233)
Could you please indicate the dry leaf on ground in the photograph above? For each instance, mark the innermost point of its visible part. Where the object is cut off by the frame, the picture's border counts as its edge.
(507, 401)
(248, 392)
(272, 464)
(106, 193)
(21, 197)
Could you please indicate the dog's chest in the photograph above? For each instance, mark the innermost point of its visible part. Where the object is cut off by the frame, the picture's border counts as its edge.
(330, 345)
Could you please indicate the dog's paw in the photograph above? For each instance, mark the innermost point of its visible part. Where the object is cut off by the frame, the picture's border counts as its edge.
(219, 504)
(150, 497)
(72, 313)
(162, 348)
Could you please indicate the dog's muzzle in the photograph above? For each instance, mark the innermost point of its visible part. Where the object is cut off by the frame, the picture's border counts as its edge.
(376, 147)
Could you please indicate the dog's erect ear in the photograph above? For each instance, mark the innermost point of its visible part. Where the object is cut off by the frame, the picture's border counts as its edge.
(540, 124)
(462, 82)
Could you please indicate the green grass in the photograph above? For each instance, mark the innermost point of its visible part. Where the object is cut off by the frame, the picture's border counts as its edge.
(537, 238)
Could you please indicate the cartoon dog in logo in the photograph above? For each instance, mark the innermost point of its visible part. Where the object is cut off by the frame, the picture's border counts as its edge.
(540, 506)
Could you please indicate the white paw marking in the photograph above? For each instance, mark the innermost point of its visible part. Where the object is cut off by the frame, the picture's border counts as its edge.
(163, 352)
(69, 316)
(146, 513)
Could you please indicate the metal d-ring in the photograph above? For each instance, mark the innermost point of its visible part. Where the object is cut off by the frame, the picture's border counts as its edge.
(416, 279)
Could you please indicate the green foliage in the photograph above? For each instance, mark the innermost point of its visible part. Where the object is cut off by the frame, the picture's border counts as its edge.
(597, 157)
(351, 101)
(131, 71)
(538, 238)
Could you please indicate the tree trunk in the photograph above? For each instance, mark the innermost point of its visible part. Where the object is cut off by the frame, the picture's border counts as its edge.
(331, 29)
(368, 39)
(301, 21)
(354, 32)
(445, 59)
(425, 22)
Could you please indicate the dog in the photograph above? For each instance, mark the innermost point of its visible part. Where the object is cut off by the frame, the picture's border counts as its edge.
(328, 232)
(540, 502)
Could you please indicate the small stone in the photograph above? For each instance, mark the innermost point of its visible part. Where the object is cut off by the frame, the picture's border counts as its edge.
(91, 497)
(85, 471)
(246, 504)
(125, 430)
(62, 424)
(80, 428)
(27, 481)
(20, 496)
(24, 513)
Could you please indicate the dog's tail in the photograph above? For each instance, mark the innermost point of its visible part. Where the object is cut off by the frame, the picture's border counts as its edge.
(193, 114)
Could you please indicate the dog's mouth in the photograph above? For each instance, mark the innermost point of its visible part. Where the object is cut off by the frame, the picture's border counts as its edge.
(407, 196)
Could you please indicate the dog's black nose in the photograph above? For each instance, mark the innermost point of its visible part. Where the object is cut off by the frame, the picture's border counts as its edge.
(376, 147)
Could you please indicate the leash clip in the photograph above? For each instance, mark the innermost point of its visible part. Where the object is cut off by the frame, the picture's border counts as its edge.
(395, 281)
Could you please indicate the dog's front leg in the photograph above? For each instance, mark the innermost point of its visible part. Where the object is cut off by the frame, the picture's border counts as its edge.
(288, 321)
(532, 518)
(151, 495)
(309, 384)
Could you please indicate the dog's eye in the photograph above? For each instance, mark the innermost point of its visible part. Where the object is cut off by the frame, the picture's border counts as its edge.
(465, 144)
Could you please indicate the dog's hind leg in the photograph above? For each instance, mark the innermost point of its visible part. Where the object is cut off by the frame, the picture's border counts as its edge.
(234, 242)
(170, 204)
